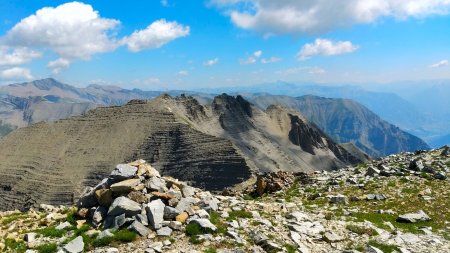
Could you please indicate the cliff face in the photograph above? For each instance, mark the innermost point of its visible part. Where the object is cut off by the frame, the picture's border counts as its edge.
(213, 147)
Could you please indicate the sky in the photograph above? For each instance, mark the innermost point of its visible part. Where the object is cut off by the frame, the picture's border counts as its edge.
(180, 44)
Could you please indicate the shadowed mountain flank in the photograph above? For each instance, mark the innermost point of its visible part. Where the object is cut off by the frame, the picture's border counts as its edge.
(212, 147)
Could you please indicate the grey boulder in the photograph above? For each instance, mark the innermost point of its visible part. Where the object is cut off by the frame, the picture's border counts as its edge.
(413, 217)
(139, 228)
(205, 224)
(124, 205)
(155, 213)
(75, 246)
(122, 172)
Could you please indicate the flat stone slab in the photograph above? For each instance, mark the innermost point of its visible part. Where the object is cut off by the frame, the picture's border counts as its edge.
(75, 246)
(126, 185)
(124, 205)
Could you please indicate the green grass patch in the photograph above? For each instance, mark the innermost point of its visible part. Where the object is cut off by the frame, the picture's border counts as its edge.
(292, 191)
(210, 250)
(14, 246)
(215, 219)
(47, 248)
(379, 219)
(234, 215)
(125, 235)
(71, 217)
(290, 248)
(386, 248)
(118, 236)
(105, 241)
(51, 232)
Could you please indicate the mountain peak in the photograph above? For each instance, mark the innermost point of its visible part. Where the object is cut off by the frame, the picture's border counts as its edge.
(225, 103)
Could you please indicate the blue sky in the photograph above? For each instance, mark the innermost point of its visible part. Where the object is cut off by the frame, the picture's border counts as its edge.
(179, 44)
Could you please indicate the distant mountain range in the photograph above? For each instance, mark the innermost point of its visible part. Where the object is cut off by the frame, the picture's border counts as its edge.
(348, 121)
(213, 146)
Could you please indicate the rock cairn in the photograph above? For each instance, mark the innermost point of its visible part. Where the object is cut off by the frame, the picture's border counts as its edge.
(135, 196)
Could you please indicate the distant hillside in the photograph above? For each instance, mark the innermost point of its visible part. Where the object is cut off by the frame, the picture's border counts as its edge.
(213, 147)
(348, 121)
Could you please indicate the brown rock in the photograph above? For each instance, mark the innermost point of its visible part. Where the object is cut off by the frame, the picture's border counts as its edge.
(163, 195)
(182, 217)
(126, 185)
(139, 187)
(83, 212)
(147, 170)
(261, 186)
(138, 197)
(104, 197)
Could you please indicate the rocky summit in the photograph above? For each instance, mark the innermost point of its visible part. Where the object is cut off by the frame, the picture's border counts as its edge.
(394, 204)
(212, 147)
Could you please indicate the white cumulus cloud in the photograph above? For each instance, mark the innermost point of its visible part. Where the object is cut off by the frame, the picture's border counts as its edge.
(316, 16)
(252, 58)
(155, 35)
(442, 63)
(326, 48)
(57, 65)
(16, 73)
(211, 62)
(17, 56)
(73, 30)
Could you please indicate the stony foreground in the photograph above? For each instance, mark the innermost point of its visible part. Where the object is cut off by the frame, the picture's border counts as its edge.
(396, 204)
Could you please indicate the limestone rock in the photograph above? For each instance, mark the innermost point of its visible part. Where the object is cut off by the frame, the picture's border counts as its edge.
(123, 172)
(156, 184)
(75, 246)
(414, 217)
(139, 228)
(125, 186)
(205, 224)
(155, 213)
(164, 231)
(124, 205)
